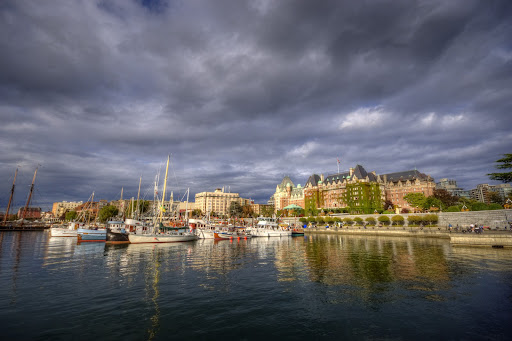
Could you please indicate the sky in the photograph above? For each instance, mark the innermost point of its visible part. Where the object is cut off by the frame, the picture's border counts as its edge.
(97, 94)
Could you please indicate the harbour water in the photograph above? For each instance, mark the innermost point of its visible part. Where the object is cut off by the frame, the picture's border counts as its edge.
(314, 287)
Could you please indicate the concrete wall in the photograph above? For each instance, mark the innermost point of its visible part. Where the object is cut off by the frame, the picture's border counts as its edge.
(497, 218)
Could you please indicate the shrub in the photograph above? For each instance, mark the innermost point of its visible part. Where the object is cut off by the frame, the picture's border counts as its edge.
(431, 219)
(453, 209)
(320, 220)
(329, 220)
(337, 220)
(413, 220)
(388, 212)
(479, 206)
(384, 220)
(347, 221)
(405, 210)
(370, 221)
(303, 220)
(312, 220)
(495, 206)
(398, 220)
(358, 221)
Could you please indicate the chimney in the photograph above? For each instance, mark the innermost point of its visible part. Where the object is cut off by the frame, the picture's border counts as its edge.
(322, 177)
(351, 171)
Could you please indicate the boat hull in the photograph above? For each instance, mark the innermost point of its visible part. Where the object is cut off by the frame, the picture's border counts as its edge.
(160, 238)
(117, 238)
(260, 232)
(85, 235)
(62, 232)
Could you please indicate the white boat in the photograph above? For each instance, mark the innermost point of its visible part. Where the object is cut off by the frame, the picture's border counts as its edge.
(268, 227)
(203, 230)
(63, 231)
(161, 238)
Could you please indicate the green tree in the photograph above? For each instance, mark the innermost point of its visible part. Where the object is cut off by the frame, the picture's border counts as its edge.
(496, 198)
(107, 212)
(384, 220)
(358, 221)
(143, 206)
(506, 163)
(235, 209)
(397, 220)
(432, 202)
(415, 199)
(197, 213)
(247, 211)
(70, 215)
(348, 221)
(267, 211)
(371, 221)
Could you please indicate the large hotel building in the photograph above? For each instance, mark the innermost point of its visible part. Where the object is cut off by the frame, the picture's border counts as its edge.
(218, 201)
(357, 189)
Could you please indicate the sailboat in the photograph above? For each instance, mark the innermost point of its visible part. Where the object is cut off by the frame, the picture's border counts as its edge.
(159, 234)
(88, 233)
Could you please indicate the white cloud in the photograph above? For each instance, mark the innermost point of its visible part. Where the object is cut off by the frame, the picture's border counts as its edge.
(363, 118)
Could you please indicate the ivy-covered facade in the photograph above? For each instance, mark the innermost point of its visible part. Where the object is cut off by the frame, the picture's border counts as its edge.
(356, 191)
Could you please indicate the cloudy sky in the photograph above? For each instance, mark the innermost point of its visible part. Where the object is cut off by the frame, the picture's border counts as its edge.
(241, 93)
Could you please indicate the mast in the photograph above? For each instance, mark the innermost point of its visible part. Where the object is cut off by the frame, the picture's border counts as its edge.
(160, 215)
(29, 197)
(186, 208)
(138, 193)
(10, 198)
(90, 207)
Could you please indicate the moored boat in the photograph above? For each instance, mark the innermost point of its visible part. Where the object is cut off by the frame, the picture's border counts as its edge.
(65, 231)
(117, 233)
(268, 227)
(298, 231)
(91, 235)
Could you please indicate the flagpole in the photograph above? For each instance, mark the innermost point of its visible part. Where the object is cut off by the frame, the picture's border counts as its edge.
(338, 165)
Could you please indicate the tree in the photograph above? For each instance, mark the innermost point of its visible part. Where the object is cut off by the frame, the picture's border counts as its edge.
(506, 164)
(70, 215)
(143, 206)
(370, 221)
(384, 220)
(415, 199)
(247, 211)
(496, 198)
(235, 209)
(432, 202)
(107, 212)
(446, 198)
(398, 220)
(197, 212)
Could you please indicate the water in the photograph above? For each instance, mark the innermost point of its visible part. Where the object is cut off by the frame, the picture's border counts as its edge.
(313, 287)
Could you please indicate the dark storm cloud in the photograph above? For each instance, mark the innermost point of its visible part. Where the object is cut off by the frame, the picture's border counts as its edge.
(243, 93)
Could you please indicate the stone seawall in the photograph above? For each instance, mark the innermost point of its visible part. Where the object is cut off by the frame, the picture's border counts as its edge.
(494, 240)
(404, 231)
(493, 219)
(487, 238)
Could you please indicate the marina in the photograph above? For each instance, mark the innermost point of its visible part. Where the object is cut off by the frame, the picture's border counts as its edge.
(332, 286)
